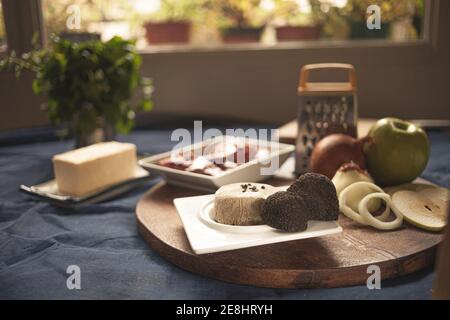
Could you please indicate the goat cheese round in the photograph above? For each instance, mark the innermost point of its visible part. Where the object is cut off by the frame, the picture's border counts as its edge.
(241, 203)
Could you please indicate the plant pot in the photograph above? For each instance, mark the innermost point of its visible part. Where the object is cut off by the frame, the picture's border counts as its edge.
(80, 36)
(168, 32)
(418, 24)
(296, 33)
(359, 30)
(241, 35)
(104, 132)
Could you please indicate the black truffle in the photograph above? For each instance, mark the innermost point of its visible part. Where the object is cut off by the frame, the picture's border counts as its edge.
(282, 210)
(317, 190)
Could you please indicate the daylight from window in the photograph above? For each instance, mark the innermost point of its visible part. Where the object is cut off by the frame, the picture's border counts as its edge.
(2, 30)
(223, 22)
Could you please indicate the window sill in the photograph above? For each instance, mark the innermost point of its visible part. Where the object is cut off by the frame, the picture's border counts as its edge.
(287, 46)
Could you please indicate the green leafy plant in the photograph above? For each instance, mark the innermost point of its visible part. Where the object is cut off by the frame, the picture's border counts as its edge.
(177, 10)
(86, 81)
(288, 12)
(391, 10)
(240, 14)
(334, 20)
(337, 21)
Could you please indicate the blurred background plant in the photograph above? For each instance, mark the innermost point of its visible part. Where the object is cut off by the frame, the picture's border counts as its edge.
(391, 10)
(332, 16)
(347, 19)
(237, 13)
(86, 85)
(172, 22)
(293, 13)
(177, 10)
(238, 20)
(210, 20)
(295, 20)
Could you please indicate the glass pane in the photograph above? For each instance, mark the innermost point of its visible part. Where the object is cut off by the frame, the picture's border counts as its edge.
(223, 22)
(2, 30)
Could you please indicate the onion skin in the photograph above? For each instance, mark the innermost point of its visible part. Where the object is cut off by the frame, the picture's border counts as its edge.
(334, 150)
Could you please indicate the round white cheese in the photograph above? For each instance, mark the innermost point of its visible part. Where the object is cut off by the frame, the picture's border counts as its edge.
(241, 203)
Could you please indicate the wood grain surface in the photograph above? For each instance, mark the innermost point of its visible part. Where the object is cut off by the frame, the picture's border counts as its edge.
(331, 261)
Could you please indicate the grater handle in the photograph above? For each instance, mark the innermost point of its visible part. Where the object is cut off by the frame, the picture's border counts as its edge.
(305, 71)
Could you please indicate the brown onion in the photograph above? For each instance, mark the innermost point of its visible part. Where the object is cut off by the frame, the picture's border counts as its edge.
(335, 150)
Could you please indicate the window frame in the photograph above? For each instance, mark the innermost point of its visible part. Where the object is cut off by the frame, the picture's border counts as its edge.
(22, 20)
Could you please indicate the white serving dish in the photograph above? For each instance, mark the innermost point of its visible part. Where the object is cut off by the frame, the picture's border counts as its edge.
(207, 236)
(248, 172)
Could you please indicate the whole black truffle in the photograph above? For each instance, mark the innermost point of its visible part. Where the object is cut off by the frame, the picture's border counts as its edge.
(282, 210)
(320, 193)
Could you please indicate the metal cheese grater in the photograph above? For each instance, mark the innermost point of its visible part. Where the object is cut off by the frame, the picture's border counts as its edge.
(324, 108)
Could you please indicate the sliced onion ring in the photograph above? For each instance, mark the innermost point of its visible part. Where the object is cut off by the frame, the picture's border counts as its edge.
(346, 210)
(364, 216)
(352, 214)
(375, 221)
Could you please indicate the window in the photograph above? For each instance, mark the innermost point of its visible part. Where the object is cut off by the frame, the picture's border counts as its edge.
(223, 22)
(252, 80)
(2, 30)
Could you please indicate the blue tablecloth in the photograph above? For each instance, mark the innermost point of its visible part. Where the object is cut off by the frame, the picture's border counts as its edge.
(39, 241)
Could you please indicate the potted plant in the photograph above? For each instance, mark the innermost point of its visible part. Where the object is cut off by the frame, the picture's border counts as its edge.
(333, 20)
(172, 22)
(293, 24)
(238, 20)
(391, 12)
(87, 85)
(418, 18)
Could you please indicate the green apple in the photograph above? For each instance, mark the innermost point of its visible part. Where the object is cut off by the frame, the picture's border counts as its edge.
(397, 151)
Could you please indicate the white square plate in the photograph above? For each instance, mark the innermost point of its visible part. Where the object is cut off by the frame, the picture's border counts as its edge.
(205, 238)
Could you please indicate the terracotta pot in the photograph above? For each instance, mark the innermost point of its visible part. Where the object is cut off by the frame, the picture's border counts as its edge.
(358, 30)
(241, 35)
(293, 33)
(168, 32)
(103, 131)
(80, 36)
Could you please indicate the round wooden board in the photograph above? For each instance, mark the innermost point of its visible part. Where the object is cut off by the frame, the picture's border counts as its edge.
(330, 261)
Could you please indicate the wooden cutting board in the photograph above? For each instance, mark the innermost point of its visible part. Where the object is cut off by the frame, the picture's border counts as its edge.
(331, 261)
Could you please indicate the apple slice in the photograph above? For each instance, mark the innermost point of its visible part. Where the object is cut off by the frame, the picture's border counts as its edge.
(407, 186)
(426, 208)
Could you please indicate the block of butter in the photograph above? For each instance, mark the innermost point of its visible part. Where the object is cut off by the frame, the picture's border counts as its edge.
(82, 171)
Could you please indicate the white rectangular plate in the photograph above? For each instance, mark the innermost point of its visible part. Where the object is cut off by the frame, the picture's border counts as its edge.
(48, 191)
(204, 239)
(249, 172)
